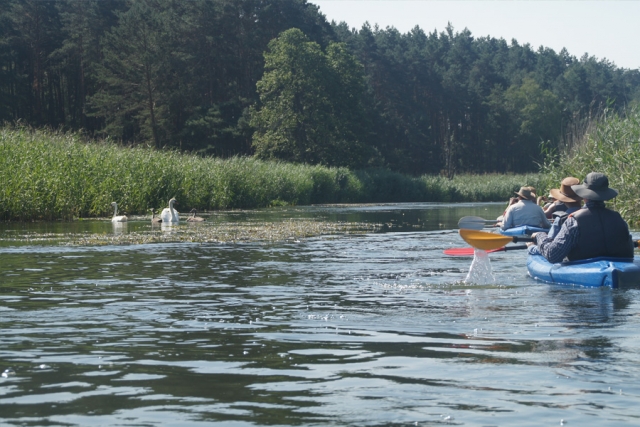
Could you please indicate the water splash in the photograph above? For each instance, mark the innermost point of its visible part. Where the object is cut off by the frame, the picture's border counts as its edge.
(480, 271)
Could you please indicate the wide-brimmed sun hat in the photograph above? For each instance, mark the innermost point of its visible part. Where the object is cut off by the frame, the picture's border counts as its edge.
(565, 193)
(595, 187)
(526, 193)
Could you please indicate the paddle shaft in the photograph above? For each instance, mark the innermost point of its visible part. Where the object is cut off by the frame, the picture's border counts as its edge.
(477, 223)
(472, 251)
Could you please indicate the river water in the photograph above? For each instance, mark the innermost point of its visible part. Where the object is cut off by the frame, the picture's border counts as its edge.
(376, 329)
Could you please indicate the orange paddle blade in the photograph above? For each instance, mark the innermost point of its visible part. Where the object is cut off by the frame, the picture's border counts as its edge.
(484, 240)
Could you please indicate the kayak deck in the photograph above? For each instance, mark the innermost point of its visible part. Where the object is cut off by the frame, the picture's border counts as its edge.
(593, 272)
(523, 230)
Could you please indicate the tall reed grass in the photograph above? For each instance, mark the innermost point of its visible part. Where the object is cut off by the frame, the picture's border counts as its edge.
(49, 175)
(611, 145)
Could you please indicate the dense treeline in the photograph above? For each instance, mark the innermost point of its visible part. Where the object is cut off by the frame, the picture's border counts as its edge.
(232, 77)
(480, 104)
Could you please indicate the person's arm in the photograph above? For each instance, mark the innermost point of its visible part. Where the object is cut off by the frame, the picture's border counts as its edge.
(558, 219)
(507, 221)
(550, 209)
(555, 250)
(543, 220)
(532, 247)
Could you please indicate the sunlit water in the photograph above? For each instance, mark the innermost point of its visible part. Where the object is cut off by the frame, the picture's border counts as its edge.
(374, 329)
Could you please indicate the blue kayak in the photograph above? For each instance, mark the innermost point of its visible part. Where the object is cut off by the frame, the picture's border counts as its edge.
(523, 230)
(593, 272)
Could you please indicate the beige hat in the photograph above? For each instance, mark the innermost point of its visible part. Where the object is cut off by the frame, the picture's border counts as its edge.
(566, 193)
(526, 193)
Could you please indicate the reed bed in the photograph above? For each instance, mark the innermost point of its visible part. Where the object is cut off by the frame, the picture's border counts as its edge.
(53, 175)
(610, 145)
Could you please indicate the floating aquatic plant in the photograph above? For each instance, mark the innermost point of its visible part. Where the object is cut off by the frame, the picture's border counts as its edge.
(246, 232)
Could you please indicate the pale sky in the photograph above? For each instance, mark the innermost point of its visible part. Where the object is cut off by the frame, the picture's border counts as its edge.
(605, 29)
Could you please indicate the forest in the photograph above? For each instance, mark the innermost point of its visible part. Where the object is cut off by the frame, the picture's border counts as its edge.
(275, 80)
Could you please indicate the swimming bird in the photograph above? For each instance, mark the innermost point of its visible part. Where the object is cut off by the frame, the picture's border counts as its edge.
(193, 217)
(153, 217)
(170, 215)
(116, 217)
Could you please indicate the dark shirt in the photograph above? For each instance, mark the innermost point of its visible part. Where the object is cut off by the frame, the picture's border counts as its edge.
(556, 249)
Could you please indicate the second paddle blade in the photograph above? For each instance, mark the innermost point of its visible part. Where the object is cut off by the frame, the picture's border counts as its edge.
(474, 222)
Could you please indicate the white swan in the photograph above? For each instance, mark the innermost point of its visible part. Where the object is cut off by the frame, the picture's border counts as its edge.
(116, 217)
(193, 217)
(170, 215)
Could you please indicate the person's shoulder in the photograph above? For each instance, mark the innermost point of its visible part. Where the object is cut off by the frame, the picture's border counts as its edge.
(559, 214)
(612, 210)
(514, 206)
(582, 211)
(617, 216)
(570, 221)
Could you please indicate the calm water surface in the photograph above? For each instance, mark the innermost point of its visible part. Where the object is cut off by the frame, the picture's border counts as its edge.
(374, 329)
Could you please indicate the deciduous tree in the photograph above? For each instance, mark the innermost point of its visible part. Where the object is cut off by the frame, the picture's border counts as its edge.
(310, 104)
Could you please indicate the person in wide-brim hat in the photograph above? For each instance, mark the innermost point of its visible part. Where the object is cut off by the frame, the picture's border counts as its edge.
(590, 232)
(595, 187)
(526, 193)
(565, 193)
(524, 212)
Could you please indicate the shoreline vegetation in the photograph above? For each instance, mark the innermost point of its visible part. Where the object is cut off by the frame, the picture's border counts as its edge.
(609, 143)
(53, 175)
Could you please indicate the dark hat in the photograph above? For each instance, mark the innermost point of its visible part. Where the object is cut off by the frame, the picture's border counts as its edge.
(566, 193)
(595, 187)
(525, 193)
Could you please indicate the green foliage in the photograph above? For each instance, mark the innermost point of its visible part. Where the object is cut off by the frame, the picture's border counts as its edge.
(134, 69)
(538, 113)
(55, 175)
(448, 103)
(184, 74)
(611, 145)
(310, 107)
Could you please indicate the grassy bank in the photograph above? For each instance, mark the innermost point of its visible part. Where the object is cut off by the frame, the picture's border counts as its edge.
(51, 175)
(610, 144)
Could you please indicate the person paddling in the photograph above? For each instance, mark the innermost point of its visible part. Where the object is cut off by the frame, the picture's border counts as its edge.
(525, 212)
(546, 202)
(590, 232)
(569, 202)
(566, 196)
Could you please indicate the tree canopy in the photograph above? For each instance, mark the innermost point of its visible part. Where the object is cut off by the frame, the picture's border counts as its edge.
(276, 80)
(311, 104)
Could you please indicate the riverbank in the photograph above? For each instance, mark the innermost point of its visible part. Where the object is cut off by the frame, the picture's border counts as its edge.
(52, 175)
(609, 144)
